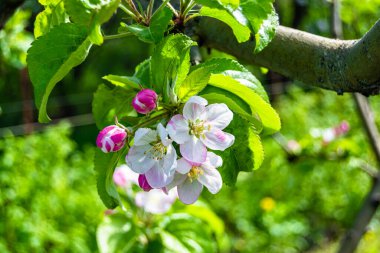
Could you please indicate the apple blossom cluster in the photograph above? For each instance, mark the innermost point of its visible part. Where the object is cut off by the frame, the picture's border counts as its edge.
(178, 154)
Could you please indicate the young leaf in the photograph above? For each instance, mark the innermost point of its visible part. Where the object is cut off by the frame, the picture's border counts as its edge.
(267, 31)
(128, 82)
(235, 70)
(263, 20)
(53, 15)
(268, 116)
(91, 14)
(109, 103)
(142, 73)
(245, 155)
(186, 234)
(237, 22)
(153, 33)
(170, 64)
(234, 103)
(51, 57)
(105, 164)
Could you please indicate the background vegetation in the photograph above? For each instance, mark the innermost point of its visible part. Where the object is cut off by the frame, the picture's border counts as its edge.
(304, 197)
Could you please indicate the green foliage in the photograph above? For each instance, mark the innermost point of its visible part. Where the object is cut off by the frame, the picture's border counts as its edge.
(113, 102)
(105, 164)
(53, 15)
(181, 229)
(91, 14)
(239, 27)
(48, 201)
(295, 202)
(170, 64)
(245, 155)
(267, 115)
(245, 17)
(14, 40)
(51, 57)
(158, 25)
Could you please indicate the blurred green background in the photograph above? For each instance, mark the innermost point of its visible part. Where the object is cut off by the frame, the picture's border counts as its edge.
(303, 198)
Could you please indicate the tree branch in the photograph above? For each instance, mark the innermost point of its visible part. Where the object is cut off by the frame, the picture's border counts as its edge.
(339, 65)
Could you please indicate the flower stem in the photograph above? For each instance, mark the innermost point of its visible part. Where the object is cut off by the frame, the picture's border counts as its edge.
(117, 36)
(151, 120)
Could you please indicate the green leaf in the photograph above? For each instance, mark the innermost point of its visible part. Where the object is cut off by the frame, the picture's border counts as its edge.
(51, 58)
(234, 103)
(128, 82)
(53, 15)
(186, 234)
(92, 14)
(117, 234)
(153, 33)
(237, 22)
(246, 154)
(263, 20)
(111, 102)
(142, 73)
(105, 164)
(170, 64)
(232, 68)
(194, 83)
(267, 31)
(268, 116)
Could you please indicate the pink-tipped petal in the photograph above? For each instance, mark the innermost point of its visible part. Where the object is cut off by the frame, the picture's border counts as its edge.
(211, 179)
(218, 140)
(194, 150)
(218, 116)
(195, 108)
(178, 129)
(189, 191)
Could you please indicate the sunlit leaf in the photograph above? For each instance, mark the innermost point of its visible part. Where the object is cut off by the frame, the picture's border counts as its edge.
(51, 57)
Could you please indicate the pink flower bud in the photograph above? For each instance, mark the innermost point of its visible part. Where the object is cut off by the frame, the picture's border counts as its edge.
(143, 183)
(111, 139)
(145, 101)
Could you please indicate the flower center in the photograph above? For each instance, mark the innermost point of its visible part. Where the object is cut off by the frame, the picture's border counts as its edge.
(157, 151)
(197, 127)
(194, 173)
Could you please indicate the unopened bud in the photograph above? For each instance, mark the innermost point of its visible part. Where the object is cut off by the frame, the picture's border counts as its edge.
(145, 101)
(143, 183)
(111, 139)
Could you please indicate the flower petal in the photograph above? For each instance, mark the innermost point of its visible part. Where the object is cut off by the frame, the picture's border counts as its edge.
(183, 166)
(169, 162)
(211, 179)
(194, 151)
(144, 136)
(177, 180)
(217, 139)
(189, 191)
(157, 178)
(218, 115)
(163, 135)
(138, 161)
(178, 129)
(195, 108)
(215, 160)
